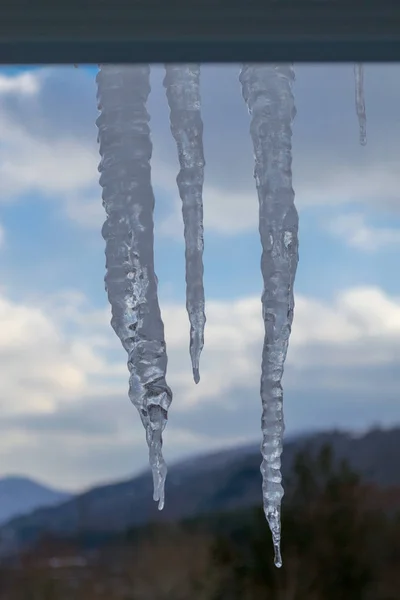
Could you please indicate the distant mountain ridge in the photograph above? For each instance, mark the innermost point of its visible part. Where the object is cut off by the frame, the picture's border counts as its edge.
(219, 481)
(21, 495)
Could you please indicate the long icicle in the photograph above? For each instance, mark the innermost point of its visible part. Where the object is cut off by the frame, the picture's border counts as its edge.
(131, 283)
(267, 91)
(182, 83)
(360, 102)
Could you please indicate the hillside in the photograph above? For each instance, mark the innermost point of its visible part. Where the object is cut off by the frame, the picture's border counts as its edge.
(21, 495)
(220, 481)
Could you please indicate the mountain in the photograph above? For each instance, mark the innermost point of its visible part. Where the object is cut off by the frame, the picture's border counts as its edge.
(219, 481)
(20, 495)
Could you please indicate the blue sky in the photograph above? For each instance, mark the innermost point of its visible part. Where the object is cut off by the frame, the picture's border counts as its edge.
(64, 413)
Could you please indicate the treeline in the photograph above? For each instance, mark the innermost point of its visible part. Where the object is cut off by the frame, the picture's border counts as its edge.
(341, 539)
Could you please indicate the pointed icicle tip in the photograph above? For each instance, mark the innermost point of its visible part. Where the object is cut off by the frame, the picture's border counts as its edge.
(278, 558)
(196, 374)
(159, 496)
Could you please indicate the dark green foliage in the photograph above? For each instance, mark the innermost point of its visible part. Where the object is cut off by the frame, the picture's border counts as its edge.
(341, 540)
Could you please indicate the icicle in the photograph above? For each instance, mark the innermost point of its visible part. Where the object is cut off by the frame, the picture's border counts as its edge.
(182, 83)
(131, 283)
(360, 101)
(267, 90)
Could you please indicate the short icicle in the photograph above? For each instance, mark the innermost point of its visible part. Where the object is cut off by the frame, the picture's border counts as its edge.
(182, 83)
(267, 91)
(360, 102)
(131, 283)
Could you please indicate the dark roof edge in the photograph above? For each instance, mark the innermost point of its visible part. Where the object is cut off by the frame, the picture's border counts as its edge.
(94, 31)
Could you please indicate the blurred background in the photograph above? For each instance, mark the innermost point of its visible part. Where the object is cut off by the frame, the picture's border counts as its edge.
(77, 519)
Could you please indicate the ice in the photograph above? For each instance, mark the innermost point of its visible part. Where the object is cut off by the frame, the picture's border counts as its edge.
(182, 83)
(267, 91)
(131, 283)
(360, 101)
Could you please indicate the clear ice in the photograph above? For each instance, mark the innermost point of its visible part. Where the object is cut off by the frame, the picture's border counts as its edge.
(360, 102)
(182, 83)
(131, 283)
(267, 91)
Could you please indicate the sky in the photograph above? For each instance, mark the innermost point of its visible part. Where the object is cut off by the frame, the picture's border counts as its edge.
(65, 416)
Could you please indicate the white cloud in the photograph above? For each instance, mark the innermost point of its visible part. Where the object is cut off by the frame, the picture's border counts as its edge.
(225, 212)
(86, 210)
(65, 371)
(371, 184)
(232, 338)
(65, 376)
(62, 164)
(45, 365)
(60, 168)
(357, 233)
(30, 165)
(361, 328)
(27, 83)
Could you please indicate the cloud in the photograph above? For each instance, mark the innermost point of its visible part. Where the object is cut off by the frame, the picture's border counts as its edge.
(45, 147)
(360, 329)
(49, 143)
(23, 83)
(357, 233)
(46, 364)
(67, 380)
(86, 210)
(30, 165)
(329, 166)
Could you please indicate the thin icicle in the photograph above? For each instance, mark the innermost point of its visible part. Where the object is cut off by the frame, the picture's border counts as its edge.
(360, 102)
(131, 283)
(182, 83)
(267, 90)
